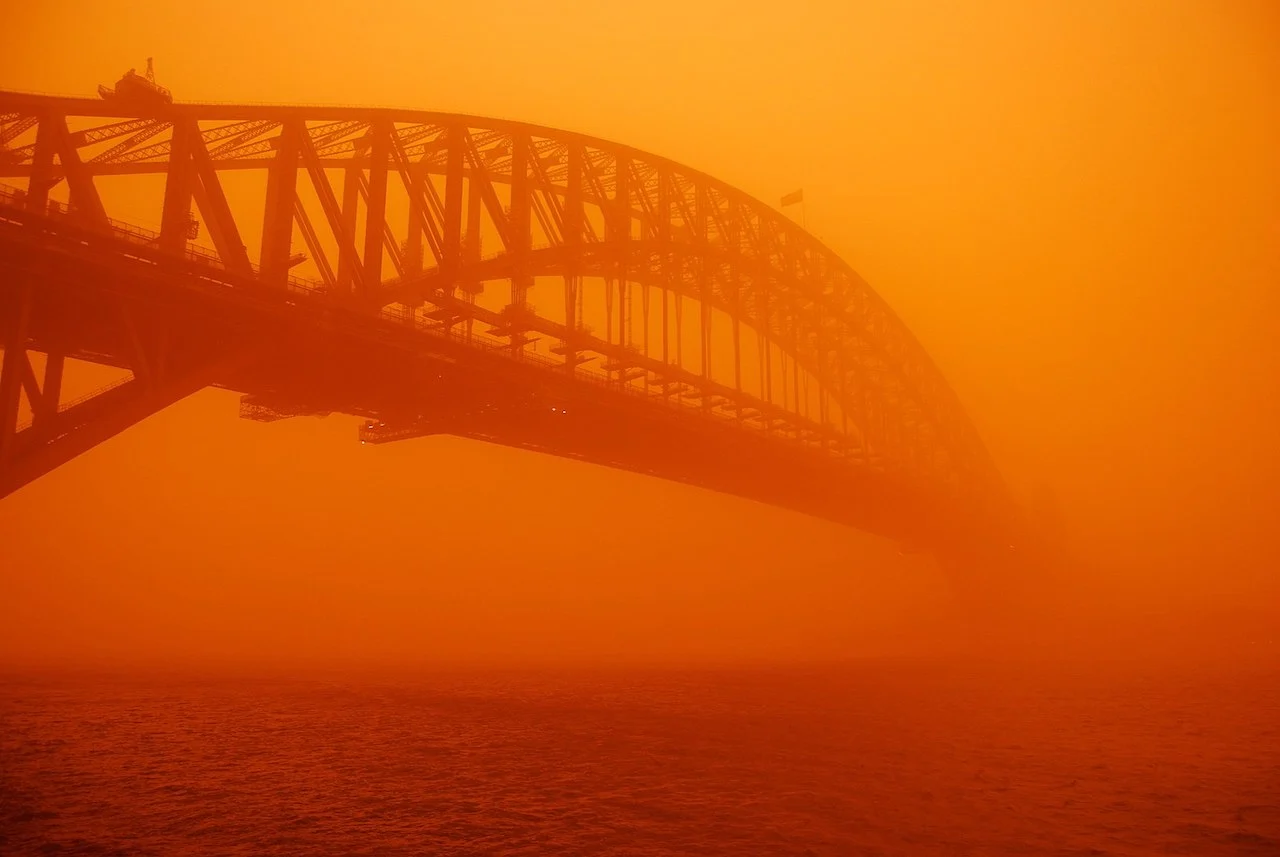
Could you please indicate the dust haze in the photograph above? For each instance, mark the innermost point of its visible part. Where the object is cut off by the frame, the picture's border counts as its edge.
(1076, 209)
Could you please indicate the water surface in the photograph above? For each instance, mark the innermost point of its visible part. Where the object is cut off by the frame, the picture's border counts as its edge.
(869, 759)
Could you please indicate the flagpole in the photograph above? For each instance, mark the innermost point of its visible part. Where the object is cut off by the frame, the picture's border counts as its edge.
(792, 199)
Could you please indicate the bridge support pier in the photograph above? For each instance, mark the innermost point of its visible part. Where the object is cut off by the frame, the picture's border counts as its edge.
(17, 313)
(164, 372)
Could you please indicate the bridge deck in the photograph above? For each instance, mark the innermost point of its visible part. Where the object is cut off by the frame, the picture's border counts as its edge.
(846, 417)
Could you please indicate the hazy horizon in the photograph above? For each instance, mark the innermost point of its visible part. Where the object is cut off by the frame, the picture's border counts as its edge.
(1076, 211)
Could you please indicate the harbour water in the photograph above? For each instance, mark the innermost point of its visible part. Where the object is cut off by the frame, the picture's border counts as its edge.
(874, 758)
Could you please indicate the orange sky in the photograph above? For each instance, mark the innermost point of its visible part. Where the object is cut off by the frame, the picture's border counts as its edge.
(1076, 207)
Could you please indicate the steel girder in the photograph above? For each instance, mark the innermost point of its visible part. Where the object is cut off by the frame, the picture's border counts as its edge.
(552, 204)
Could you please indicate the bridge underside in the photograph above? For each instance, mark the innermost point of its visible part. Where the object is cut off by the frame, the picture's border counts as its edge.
(290, 355)
(447, 274)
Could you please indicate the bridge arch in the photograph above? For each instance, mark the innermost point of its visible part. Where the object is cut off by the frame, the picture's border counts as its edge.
(391, 210)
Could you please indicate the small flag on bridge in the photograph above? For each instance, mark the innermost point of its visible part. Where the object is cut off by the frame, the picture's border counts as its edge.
(793, 198)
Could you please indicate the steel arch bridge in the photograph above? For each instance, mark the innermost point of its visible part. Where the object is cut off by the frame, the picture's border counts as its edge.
(442, 273)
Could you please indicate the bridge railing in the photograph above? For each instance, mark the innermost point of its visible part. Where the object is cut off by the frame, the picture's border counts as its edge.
(813, 436)
(79, 400)
(581, 374)
(14, 197)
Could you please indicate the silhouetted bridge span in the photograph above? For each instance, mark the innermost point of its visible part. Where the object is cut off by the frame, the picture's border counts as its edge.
(438, 273)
